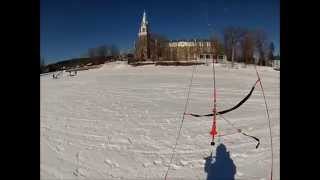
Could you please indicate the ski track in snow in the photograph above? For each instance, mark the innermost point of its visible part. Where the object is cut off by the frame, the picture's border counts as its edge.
(120, 122)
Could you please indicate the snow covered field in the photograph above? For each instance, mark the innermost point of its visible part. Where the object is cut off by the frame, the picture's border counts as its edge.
(121, 122)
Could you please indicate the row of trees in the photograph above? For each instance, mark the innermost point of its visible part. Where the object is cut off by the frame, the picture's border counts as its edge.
(159, 47)
(97, 55)
(42, 65)
(103, 51)
(247, 45)
(237, 43)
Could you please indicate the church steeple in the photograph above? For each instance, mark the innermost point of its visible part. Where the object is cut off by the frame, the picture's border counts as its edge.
(143, 44)
(144, 25)
(144, 19)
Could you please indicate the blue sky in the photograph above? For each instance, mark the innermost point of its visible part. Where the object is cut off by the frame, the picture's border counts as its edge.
(69, 27)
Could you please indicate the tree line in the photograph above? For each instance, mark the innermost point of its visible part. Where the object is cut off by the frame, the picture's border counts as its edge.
(103, 51)
(94, 56)
(251, 46)
(247, 45)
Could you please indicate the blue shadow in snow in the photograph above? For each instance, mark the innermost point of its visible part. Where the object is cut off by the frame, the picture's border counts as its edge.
(221, 167)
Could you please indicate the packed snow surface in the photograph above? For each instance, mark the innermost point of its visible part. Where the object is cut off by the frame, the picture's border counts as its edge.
(121, 122)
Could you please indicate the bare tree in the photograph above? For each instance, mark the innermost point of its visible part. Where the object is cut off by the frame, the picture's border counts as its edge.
(102, 51)
(261, 45)
(91, 53)
(232, 36)
(98, 54)
(114, 50)
(197, 47)
(42, 65)
(217, 46)
(160, 46)
(270, 52)
(173, 52)
(247, 45)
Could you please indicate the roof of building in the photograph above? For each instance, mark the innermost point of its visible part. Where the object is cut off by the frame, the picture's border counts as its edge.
(190, 40)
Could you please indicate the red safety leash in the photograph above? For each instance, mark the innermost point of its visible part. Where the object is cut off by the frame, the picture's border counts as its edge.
(213, 131)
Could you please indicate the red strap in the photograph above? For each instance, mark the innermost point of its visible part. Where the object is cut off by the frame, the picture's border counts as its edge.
(214, 127)
(213, 130)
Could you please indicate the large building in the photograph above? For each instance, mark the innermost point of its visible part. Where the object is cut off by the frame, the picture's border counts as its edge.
(155, 48)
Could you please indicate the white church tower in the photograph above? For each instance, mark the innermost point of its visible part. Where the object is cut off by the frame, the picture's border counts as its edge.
(144, 28)
(143, 43)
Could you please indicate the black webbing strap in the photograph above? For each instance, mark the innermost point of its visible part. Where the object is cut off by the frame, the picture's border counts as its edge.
(255, 138)
(228, 110)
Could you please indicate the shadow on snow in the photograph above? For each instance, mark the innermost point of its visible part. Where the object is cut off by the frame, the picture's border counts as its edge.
(221, 166)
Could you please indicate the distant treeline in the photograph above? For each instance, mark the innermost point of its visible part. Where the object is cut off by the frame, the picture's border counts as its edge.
(239, 44)
(67, 64)
(94, 56)
(75, 62)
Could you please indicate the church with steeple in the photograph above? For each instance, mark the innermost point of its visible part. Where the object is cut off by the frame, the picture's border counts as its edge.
(155, 48)
(142, 49)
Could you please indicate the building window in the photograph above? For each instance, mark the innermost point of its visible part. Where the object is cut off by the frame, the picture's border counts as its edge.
(207, 56)
(201, 56)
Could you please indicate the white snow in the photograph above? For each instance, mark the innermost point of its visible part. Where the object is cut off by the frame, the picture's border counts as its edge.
(121, 122)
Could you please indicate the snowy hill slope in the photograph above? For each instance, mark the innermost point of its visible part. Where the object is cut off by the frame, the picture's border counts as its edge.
(120, 122)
